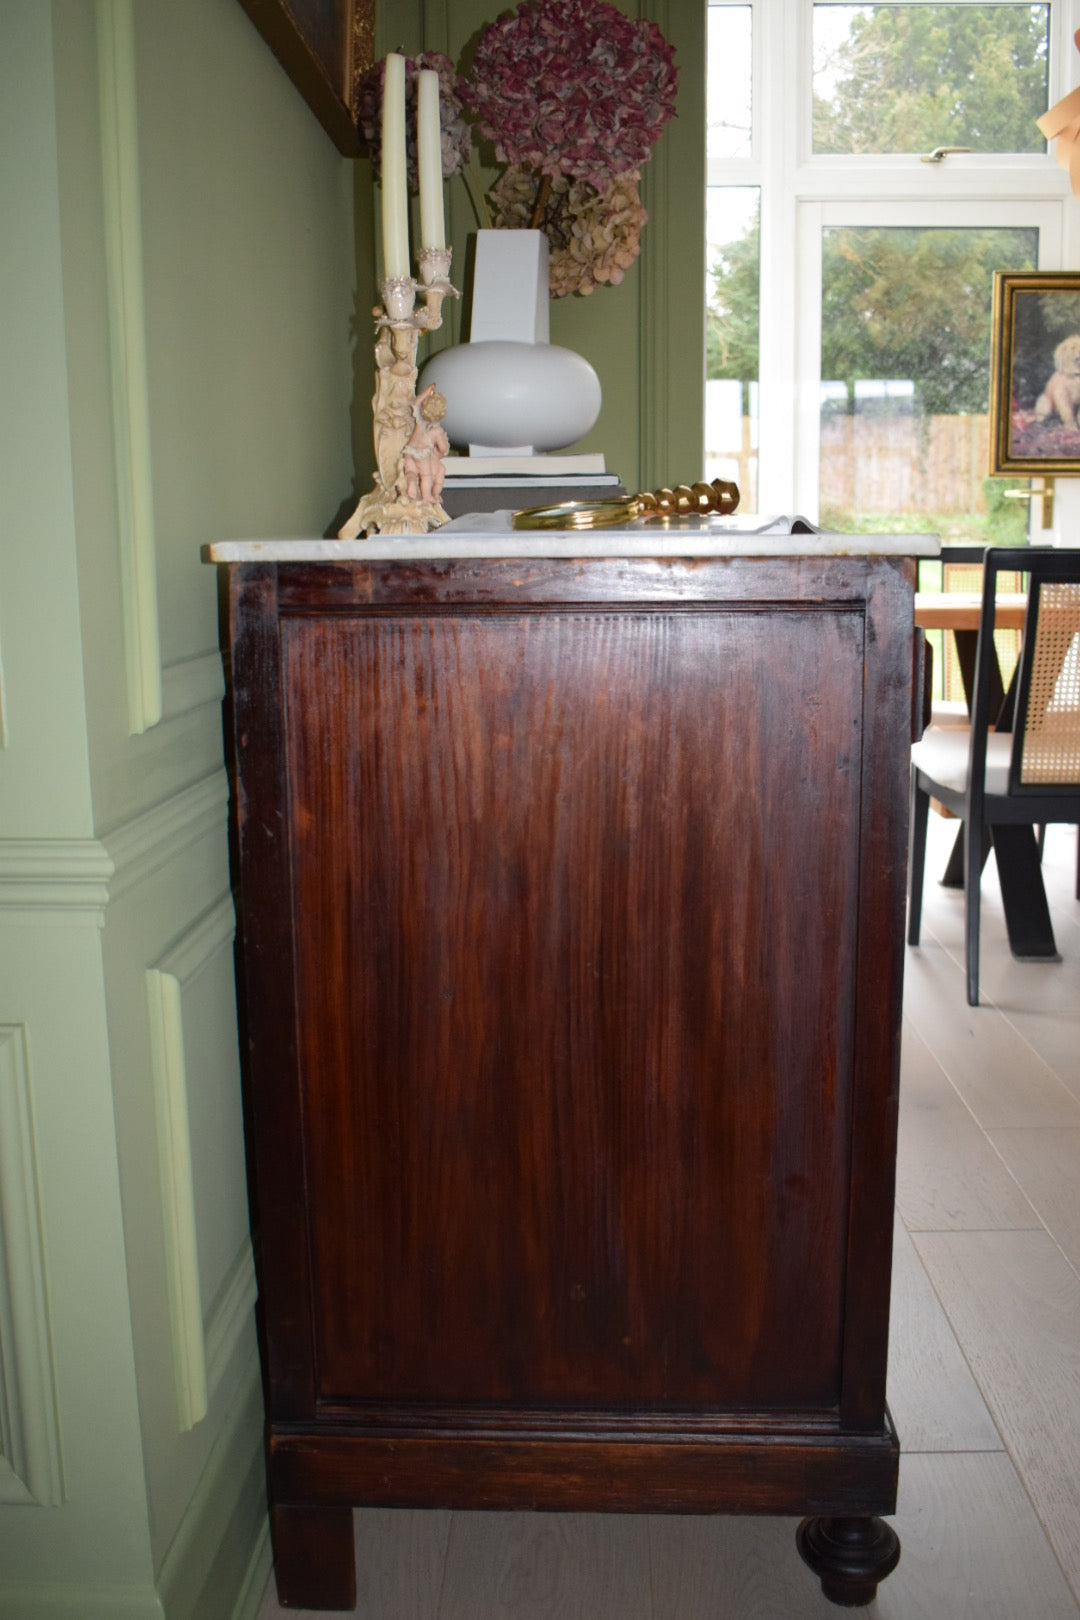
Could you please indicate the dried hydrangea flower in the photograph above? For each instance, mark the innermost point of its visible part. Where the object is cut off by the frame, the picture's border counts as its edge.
(572, 87)
(456, 134)
(594, 236)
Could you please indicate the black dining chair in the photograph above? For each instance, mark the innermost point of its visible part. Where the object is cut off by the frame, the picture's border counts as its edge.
(1004, 782)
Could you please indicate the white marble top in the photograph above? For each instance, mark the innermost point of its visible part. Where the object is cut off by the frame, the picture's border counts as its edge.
(491, 534)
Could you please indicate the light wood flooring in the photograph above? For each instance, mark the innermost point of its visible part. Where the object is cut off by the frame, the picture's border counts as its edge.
(984, 1372)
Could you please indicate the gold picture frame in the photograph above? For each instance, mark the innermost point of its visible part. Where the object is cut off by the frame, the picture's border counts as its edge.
(1035, 374)
(325, 46)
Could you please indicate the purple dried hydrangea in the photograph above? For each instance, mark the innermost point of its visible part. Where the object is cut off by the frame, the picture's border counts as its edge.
(572, 87)
(456, 134)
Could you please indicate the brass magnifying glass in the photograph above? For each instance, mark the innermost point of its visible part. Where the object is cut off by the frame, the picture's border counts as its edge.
(685, 500)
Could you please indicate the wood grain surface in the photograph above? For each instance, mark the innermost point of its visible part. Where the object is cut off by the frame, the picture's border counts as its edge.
(575, 1050)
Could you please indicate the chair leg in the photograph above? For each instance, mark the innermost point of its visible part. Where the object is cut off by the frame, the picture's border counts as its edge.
(973, 838)
(953, 875)
(1023, 894)
(920, 811)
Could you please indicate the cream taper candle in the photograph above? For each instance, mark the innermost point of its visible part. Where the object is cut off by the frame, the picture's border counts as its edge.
(395, 199)
(429, 156)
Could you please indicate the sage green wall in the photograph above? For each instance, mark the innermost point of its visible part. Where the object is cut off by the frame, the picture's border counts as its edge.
(646, 337)
(247, 263)
(177, 297)
(70, 1473)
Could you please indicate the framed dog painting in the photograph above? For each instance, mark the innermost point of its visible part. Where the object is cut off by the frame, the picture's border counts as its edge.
(1035, 373)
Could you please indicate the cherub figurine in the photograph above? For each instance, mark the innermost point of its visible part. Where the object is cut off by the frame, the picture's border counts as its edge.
(422, 472)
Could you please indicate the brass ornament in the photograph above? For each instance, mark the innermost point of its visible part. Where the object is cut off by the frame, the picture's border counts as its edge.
(685, 500)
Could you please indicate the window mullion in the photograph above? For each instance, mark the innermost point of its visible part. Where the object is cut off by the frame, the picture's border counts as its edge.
(956, 179)
(782, 31)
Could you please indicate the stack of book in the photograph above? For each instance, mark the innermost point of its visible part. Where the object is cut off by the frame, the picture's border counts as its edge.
(495, 483)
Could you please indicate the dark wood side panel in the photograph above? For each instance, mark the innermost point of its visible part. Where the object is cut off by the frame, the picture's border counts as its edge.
(576, 907)
(273, 1116)
(880, 980)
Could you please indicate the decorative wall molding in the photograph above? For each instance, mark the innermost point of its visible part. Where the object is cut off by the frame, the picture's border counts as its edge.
(236, 1463)
(259, 1568)
(654, 464)
(3, 704)
(230, 1316)
(200, 1346)
(82, 875)
(163, 992)
(30, 1464)
(58, 1600)
(139, 847)
(55, 875)
(127, 361)
(190, 683)
(671, 318)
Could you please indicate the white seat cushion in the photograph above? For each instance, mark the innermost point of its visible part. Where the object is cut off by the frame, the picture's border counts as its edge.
(943, 755)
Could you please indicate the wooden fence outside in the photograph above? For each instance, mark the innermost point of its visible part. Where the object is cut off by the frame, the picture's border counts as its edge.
(904, 464)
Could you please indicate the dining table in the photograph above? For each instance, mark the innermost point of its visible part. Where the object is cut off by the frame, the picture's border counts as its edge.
(959, 612)
(1016, 849)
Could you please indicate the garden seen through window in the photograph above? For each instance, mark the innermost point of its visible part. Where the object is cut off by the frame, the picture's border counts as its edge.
(905, 381)
(909, 78)
(875, 322)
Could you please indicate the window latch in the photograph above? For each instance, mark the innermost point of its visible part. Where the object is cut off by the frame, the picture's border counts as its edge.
(940, 152)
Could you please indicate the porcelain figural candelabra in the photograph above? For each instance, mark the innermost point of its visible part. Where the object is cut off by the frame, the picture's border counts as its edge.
(409, 441)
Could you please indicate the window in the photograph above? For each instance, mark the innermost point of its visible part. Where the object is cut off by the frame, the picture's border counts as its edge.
(909, 78)
(733, 238)
(733, 257)
(850, 261)
(729, 82)
(905, 379)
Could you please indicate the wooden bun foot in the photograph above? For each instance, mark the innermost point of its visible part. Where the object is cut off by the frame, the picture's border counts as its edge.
(851, 1556)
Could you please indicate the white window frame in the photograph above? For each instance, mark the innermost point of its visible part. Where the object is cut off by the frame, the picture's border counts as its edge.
(801, 192)
(812, 218)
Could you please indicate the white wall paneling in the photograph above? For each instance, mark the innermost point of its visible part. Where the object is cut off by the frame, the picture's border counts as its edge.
(183, 1579)
(190, 683)
(30, 1466)
(54, 875)
(127, 359)
(231, 1314)
(3, 703)
(203, 1337)
(144, 844)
